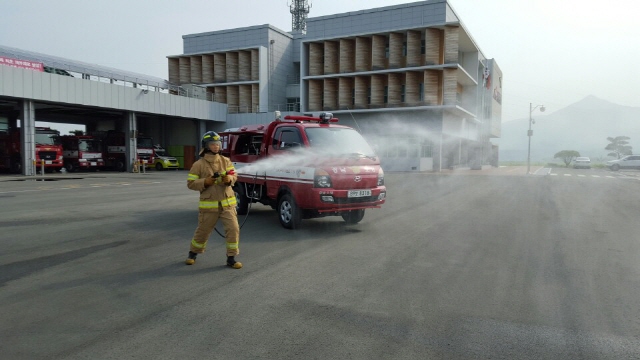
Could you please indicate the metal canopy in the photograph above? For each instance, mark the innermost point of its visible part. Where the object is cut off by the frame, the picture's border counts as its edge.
(83, 68)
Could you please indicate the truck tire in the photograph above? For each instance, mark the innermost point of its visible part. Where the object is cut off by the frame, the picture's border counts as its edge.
(242, 201)
(120, 166)
(16, 165)
(353, 216)
(69, 166)
(288, 212)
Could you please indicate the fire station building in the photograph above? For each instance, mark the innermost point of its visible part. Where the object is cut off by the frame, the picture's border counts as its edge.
(410, 77)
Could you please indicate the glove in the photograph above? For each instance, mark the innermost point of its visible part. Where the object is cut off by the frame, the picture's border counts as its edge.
(208, 181)
(226, 179)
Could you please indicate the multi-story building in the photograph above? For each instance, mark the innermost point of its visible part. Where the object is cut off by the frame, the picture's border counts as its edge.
(409, 77)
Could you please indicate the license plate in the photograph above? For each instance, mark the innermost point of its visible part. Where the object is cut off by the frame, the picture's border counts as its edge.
(358, 193)
(93, 164)
(48, 162)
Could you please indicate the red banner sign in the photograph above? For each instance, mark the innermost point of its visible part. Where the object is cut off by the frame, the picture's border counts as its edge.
(24, 64)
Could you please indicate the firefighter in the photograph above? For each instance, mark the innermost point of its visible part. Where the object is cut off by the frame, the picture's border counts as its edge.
(213, 175)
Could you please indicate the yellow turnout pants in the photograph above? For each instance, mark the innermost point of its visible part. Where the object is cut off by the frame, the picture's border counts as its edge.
(207, 221)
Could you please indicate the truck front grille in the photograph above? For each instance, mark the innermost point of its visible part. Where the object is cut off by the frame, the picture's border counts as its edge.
(47, 155)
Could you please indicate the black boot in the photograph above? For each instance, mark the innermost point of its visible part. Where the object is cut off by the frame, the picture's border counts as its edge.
(231, 262)
(191, 259)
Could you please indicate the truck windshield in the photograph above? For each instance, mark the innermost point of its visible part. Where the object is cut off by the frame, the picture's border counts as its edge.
(88, 145)
(145, 143)
(344, 141)
(46, 138)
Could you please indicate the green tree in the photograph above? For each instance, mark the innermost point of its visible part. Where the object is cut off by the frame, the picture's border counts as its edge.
(566, 156)
(619, 146)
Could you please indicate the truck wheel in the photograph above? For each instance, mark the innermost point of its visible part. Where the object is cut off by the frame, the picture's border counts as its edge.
(242, 201)
(16, 165)
(120, 166)
(159, 166)
(69, 167)
(353, 216)
(288, 212)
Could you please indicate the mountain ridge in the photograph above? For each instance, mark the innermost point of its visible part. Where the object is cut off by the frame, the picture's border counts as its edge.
(582, 126)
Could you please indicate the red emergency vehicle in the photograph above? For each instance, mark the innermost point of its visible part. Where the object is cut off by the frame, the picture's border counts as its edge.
(48, 150)
(113, 150)
(81, 152)
(305, 167)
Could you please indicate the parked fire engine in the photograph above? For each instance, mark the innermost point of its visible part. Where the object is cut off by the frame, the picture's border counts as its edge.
(305, 167)
(113, 150)
(81, 152)
(48, 150)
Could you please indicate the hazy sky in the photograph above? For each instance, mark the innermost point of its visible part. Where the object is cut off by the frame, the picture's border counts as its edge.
(551, 52)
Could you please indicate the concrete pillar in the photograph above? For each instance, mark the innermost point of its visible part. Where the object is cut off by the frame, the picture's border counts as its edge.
(219, 68)
(347, 55)
(207, 69)
(451, 45)
(412, 88)
(316, 59)
(396, 43)
(450, 86)
(363, 54)
(27, 136)
(244, 65)
(414, 44)
(378, 83)
(345, 93)
(330, 94)
(315, 95)
(361, 86)
(131, 142)
(433, 46)
(232, 66)
(255, 65)
(432, 87)
(196, 69)
(395, 89)
(244, 97)
(185, 70)
(378, 49)
(331, 57)
(174, 70)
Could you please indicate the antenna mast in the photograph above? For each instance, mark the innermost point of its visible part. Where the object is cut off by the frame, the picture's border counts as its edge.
(299, 9)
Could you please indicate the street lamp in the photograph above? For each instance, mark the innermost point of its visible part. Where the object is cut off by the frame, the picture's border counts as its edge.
(530, 133)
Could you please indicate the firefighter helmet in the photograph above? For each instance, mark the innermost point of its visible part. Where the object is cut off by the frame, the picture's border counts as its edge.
(208, 137)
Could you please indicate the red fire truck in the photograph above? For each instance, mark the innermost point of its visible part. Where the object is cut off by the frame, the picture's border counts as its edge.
(81, 152)
(305, 167)
(48, 150)
(113, 150)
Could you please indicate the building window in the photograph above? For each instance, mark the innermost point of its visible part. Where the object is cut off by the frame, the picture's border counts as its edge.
(353, 97)
(421, 91)
(293, 104)
(404, 48)
(423, 47)
(386, 50)
(369, 95)
(402, 92)
(386, 94)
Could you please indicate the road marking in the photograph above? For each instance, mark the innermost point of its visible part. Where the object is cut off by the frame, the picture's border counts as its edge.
(567, 174)
(553, 174)
(596, 176)
(580, 175)
(610, 177)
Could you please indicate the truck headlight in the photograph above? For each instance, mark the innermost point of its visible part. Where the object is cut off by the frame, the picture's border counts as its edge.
(321, 179)
(380, 177)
